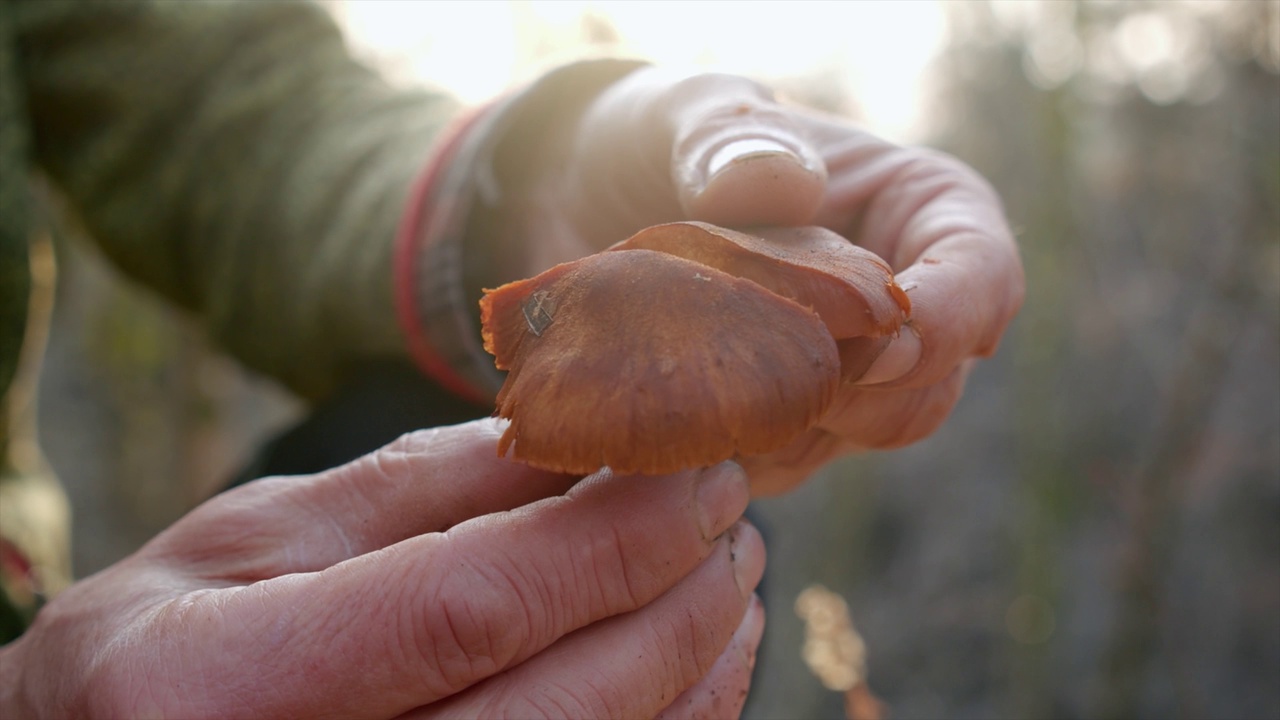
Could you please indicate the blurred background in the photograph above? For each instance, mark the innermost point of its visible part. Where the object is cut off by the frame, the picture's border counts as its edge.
(1096, 530)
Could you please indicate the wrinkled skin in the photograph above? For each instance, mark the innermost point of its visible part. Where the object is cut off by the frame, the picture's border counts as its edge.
(401, 584)
(639, 157)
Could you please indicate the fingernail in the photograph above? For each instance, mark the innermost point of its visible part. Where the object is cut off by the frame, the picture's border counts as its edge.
(747, 149)
(746, 552)
(897, 360)
(722, 495)
(753, 180)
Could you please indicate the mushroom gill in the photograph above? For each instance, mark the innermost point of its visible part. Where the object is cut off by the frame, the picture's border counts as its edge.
(684, 345)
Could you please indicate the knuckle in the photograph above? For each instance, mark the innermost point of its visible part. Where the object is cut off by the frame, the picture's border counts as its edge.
(614, 564)
(918, 415)
(469, 630)
(577, 581)
(704, 85)
(689, 644)
(384, 465)
(591, 696)
(410, 455)
(709, 108)
(945, 165)
(611, 578)
(926, 166)
(472, 622)
(239, 531)
(925, 174)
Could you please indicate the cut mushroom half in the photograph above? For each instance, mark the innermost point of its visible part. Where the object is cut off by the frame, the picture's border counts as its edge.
(683, 346)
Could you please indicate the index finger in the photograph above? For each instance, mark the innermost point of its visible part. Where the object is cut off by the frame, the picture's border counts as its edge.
(426, 481)
(942, 229)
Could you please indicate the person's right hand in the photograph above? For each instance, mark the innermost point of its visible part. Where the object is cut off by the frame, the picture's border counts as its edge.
(659, 146)
(430, 578)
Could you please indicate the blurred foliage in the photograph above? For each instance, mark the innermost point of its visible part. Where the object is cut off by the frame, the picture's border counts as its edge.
(140, 416)
(1094, 533)
(1137, 146)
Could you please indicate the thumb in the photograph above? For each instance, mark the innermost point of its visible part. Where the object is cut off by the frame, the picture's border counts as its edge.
(739, 158)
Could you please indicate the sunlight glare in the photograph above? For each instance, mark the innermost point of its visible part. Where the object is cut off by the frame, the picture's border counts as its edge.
(880, 49)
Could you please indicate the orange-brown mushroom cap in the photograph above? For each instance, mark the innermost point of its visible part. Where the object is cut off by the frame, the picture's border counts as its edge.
(850, 288)
(651, 363)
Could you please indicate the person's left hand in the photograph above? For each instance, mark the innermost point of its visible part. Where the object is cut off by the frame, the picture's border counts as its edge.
(428, 579)
(658, 148)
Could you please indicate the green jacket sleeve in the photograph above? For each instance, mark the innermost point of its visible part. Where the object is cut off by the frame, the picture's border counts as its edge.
(233, 157)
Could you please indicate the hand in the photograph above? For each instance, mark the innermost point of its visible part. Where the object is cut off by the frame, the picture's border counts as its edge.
(656, 148)
(405, 582)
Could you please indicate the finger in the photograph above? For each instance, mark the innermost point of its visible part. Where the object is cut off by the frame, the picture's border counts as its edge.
(942, 227)
(637, 664)
(895, 357)
(708, 147)
(782, 470)
(859, 419)
(964, 292)
(876, 418)
(426, 481)
(723, 692)
(428, 617)
(738, 157)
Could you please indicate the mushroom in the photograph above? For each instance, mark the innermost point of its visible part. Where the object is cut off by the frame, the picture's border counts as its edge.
(684, 345)
(812, 266)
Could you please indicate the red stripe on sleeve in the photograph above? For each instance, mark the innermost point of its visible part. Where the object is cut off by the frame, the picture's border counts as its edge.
(409, 242)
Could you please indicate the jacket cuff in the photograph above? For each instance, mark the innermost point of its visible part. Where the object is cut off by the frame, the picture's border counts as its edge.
(437, 248)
